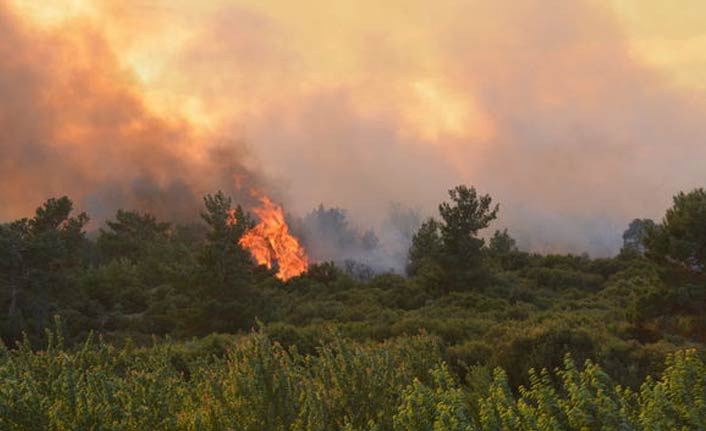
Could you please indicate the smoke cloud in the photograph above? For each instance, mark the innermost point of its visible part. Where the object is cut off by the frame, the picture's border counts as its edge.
(546, 105)
(73, 121)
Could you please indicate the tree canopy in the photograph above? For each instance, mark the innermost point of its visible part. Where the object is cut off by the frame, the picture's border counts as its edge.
(681, 236)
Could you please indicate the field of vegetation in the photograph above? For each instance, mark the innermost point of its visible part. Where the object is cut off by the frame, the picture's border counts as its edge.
(150, 325)
(401, 384)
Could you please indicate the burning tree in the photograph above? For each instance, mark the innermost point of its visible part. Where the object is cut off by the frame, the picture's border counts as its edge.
(271, 243)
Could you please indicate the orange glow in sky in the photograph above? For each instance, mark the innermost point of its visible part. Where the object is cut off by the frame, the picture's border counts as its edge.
(365, 102)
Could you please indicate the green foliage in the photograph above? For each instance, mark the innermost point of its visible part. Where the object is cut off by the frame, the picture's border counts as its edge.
(502, 243)
(438, 408)
(426, 247)
(225, 262)
(339, 349)
(452, 244)
(257, 385)
(128, 235)
(463, 218)
(681, 237)
(401, 385)
(37, 255)
(636, 234)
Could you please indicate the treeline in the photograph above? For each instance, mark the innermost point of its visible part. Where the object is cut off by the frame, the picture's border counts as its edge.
(399, 385)
(486, 302)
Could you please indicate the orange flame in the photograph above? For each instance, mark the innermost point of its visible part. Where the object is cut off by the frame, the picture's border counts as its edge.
(232, 219)
(271, 244)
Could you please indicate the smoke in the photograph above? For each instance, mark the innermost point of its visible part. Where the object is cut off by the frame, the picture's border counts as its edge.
(328, 235)
(73, 121)
(546, 105)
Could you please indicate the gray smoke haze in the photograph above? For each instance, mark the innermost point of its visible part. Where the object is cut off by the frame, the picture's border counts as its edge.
(328, 235)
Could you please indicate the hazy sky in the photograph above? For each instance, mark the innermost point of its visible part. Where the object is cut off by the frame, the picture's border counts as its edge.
(576, 116)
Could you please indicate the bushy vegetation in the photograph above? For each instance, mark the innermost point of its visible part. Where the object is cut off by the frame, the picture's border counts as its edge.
(401, 385)
(449, 345)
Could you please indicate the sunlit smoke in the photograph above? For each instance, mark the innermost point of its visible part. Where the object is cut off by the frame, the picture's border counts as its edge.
(569, 113)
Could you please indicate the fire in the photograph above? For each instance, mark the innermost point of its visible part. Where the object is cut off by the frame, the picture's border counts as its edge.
(271, 244)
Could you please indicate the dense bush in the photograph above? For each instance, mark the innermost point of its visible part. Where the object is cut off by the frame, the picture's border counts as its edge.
(483, 306)
(401, 384)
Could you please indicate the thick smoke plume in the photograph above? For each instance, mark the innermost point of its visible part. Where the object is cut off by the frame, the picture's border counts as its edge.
(547, 105)
(73, 121)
